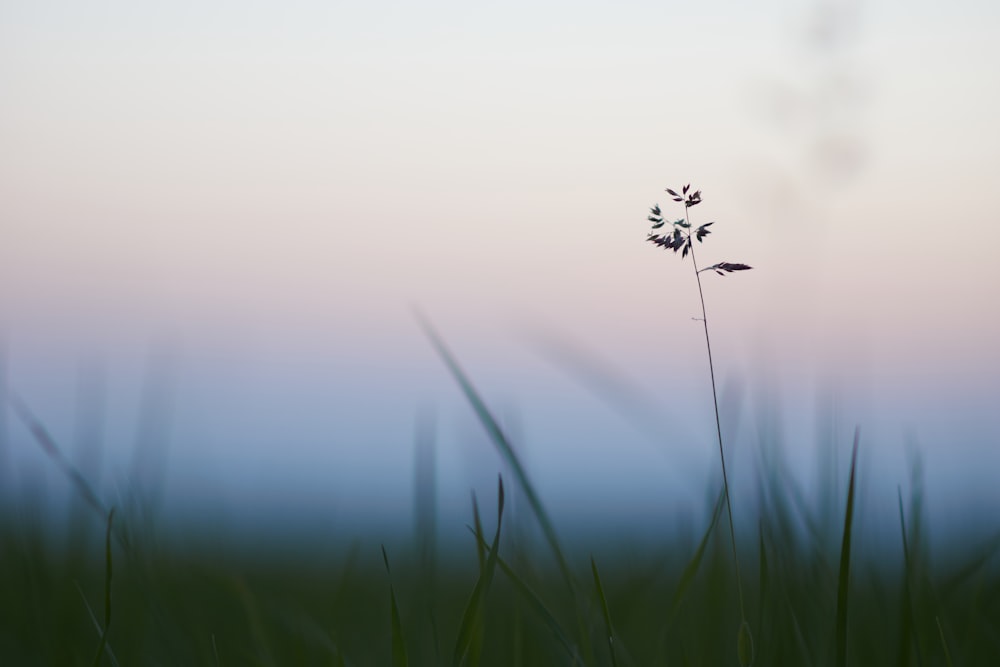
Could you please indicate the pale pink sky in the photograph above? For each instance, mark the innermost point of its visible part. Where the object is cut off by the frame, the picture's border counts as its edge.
(270, 184)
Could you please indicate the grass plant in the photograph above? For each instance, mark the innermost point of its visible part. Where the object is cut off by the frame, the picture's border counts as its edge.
(681, 239)
(669, 605)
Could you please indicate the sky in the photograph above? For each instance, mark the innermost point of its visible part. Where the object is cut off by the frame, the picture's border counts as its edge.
(251, 199)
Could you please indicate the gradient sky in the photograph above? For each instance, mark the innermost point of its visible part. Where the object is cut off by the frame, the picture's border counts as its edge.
(271, 189)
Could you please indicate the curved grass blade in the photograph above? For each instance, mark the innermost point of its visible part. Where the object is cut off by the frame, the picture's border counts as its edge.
(107, 590)
(944, 643)
(97, 625)
(805, 655)
(691, 569)
(472, 618)
(608, 627)
(51, 449)
(536, 603)
(398, 645)
(476, 648)
(617, 391)
(845, 562)
(503, 445)
(507, 452)
(983, 556)
(480, 547)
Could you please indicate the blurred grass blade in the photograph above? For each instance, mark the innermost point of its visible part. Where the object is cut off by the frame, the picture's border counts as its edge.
(843, 579)
(691, 569)
(608, 384)
(762, 577)
(480, 547)
(398, 645)
(97, 624)
(476, 648)
(944, 643)
(510, 456)
(536, 603)
(107, 590)
(908, 621)
(984, 554)
(805, 655)
(906, 541)
(472, 619)
(51, 449)
(503, 445)
(608, 627)
(763, 582)
(744, 644)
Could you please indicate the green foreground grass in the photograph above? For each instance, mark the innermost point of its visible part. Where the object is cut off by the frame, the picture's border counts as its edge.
(206, 607)
(115, 592)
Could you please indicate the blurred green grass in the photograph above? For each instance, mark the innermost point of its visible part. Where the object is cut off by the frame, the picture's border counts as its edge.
(173, 606)
(812, 599)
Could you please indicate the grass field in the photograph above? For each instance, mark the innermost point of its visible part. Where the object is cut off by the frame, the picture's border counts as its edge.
(116, 590)
(673, 606)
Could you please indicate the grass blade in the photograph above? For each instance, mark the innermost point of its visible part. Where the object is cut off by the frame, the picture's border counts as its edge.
(107, 590)
(691, 569)
(845, 562)
(51, 449)
(613, 388)
(608, 627)
(480, 547)
(472, 618)
(398, 645)
(510, 456)
(536, 603)
(503, 445)
(805, 655)
(909, 617)
(97, 624)
(944, 643)
(983, 556)
(476, 648)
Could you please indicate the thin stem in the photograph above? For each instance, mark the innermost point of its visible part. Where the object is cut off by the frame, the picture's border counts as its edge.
(718, 422)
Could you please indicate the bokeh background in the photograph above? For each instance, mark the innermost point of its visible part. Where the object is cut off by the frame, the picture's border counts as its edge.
(217, 220)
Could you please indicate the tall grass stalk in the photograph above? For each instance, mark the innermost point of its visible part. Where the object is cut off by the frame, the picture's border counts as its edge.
(682, 238)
